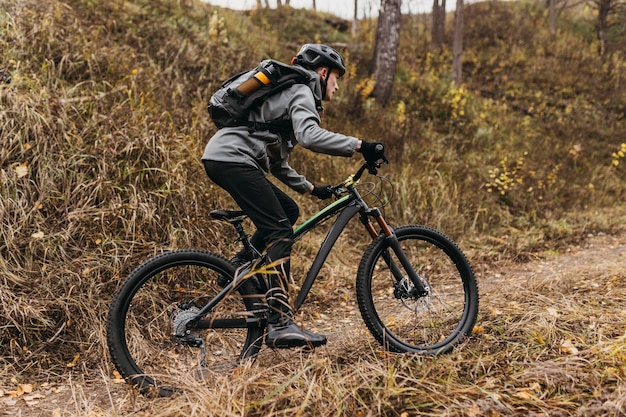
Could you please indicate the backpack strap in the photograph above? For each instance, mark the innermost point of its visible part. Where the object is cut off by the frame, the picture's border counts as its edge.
(275, 126)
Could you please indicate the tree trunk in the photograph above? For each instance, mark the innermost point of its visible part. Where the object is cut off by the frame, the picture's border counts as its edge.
(386, 49)
(438, 23)
(457, 47)
(354, 18)
(552, 17)
(604, 9)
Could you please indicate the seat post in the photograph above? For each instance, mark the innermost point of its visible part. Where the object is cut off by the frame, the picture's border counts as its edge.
(243, 237)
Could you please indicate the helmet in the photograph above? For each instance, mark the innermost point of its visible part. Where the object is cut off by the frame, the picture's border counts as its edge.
(315, 55)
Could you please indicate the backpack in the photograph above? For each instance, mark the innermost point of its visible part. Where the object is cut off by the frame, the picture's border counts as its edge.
(231, 105)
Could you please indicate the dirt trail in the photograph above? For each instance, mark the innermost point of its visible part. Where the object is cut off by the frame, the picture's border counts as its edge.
(598, 257)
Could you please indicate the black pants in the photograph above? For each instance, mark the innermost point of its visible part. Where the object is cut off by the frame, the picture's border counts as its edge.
(272, 211)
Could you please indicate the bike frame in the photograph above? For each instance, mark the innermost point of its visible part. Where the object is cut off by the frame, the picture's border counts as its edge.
(345, 208)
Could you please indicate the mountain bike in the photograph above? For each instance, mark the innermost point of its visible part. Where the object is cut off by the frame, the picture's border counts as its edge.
(175, 314)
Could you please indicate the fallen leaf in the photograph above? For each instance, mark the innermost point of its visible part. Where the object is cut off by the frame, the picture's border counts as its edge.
(568, 347)
(21, 170)
(73, 363)
(37, 235)
(494, 312)
(34, 396)
(478, 329)
(473, 411)
(56, 413)
(117, 378)
(553, 312)
(26, 388)
(524, 394)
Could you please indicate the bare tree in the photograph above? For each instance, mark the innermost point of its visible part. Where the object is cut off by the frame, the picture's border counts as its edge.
(457, 47)
(552, 8)
(439, 23)
(386, 49)
(605, 8)
(556, 7)
(355, 18)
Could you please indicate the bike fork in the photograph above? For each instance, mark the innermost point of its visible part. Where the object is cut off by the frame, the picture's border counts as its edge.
(392, 241)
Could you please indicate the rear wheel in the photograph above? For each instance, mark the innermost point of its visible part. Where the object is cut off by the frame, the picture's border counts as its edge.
(155, 303)
(398, 317)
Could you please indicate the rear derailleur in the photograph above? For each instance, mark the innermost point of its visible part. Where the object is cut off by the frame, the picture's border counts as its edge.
(181, 335)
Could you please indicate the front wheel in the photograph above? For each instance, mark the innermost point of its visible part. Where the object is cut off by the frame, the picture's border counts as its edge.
(398, 316)
(147, 332)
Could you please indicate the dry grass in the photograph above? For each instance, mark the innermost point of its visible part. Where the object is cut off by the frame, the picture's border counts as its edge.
(551, 340)
(101, 129)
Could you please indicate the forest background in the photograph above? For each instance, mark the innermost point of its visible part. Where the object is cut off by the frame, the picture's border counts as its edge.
(103, 121)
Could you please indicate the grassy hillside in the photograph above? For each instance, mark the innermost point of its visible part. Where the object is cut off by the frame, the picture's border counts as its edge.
(104, 121)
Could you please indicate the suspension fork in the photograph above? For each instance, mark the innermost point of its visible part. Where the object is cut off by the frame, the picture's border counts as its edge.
(392, 242)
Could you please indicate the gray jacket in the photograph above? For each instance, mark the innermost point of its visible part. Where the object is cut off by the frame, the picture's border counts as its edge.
(270, 151)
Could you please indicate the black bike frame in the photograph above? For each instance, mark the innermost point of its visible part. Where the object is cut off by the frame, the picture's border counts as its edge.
(347, 207)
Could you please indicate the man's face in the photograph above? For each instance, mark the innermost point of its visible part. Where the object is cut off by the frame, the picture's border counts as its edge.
(332, 84)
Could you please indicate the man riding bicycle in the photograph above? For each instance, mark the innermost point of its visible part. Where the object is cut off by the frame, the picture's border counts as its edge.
(238, 159)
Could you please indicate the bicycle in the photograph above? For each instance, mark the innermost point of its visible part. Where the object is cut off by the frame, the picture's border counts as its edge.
(415, 288)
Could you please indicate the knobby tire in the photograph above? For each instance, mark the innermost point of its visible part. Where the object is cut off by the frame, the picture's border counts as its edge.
(402, 322)
(142, 313)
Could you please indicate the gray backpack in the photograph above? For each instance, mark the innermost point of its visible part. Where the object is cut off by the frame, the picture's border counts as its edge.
(231, 105)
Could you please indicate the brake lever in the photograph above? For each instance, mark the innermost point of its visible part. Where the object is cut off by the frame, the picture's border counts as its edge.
(372, 167)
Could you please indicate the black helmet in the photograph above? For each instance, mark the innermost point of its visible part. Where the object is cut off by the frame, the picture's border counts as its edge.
(315, 55)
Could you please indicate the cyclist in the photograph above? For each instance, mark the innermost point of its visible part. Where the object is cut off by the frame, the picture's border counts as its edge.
(238, 159)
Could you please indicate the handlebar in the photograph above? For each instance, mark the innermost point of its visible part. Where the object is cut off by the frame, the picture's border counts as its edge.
(371, 165)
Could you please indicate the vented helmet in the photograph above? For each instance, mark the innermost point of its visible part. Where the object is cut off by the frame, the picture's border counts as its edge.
(315, 55)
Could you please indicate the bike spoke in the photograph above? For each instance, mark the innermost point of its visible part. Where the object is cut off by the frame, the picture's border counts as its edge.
(401, 316)
(150, 331)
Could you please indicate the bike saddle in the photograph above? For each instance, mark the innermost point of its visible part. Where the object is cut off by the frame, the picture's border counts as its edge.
(226, 214)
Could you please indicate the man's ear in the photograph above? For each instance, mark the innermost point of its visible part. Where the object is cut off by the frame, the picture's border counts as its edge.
(323, 72)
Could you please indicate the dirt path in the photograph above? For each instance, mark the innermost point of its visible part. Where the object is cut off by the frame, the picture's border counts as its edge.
(600, 257)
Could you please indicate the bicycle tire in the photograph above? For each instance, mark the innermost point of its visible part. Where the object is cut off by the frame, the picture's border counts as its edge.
(403, 322)
(146, 309)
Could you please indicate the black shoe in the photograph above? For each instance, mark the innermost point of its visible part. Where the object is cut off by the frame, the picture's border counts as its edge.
(286, 334)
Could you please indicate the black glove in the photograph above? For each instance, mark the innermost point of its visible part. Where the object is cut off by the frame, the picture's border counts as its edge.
(322, 192)
(371, 151)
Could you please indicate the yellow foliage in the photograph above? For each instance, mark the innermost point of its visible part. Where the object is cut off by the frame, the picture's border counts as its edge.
(620, 154)
(365, 86)
(217, 29)
(401, 113)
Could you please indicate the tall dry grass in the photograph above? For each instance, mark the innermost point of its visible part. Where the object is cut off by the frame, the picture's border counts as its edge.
(101, 130)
